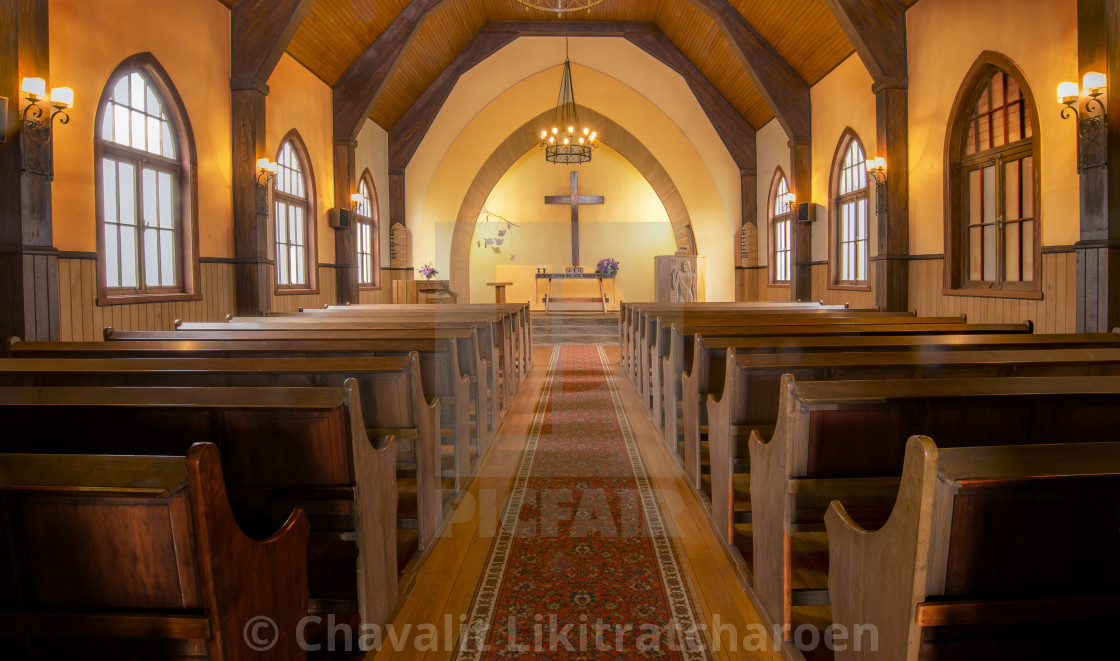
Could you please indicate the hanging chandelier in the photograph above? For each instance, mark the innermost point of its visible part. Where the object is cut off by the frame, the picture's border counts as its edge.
(567, 141)
(560, 6)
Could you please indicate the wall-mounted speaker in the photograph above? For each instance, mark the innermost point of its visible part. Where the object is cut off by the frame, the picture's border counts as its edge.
(340, 218)
(802, 212)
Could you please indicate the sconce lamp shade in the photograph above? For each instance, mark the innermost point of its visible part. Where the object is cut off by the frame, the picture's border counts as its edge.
(1068, 92)
(35, 88)
(878, 163)
(1094, 82)
(357, 198)
(265, 165)
(62, 97)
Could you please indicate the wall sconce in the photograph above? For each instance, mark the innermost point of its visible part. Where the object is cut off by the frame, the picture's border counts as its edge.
(266, 172)
(877, 168)
(37, 130)
(355, 200)
(1092, 128)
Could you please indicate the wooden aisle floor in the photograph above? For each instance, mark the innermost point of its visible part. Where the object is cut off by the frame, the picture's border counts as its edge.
(445, 583)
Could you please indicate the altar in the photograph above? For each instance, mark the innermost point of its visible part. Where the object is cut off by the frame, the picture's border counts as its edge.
(573, 290)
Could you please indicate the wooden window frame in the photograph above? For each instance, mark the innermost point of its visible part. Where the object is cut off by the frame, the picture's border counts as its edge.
(957, 164)
(375, 235)
(184, 167)
(835, 281)
(311, 219)
(773, 219)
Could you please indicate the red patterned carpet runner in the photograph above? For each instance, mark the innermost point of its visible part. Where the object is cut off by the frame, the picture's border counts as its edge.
(582, 567)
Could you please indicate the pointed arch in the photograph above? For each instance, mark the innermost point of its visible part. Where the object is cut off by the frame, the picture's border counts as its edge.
(522, 140)
(294, 219)
(849, 215)
(146, 188)
(993, 205)
(779, 222)
(368, 226)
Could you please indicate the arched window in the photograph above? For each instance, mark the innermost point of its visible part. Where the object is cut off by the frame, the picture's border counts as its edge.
(368, 231)
(145, 189)
(781, 220)
(849, 211)
(992, 188)
(293, 217)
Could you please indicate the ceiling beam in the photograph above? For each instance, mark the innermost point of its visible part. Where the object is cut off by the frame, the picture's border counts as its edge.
(877, 30)
(409, 131)
(407, 134)
(260, 32)
(358, 90)
(785, 91)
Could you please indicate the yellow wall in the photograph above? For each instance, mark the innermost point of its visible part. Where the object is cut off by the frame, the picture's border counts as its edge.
(520, 82)
(945, 38)
(373, 154)
(843, 99)
(190, 38)
(298, 100)
(631, 226)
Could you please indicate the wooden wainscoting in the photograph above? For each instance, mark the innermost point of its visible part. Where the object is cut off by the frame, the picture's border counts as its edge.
(1055, 313)
(854, 298)
(81, 319)
(756, 284)
(328, 288)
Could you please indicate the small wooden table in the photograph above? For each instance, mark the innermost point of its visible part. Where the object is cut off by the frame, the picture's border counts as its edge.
(549, 299)
(499, 290)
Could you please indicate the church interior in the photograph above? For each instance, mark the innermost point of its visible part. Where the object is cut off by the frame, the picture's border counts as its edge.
(559, 329)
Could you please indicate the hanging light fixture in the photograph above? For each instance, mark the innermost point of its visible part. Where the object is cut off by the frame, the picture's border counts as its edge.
(560, 6)
(567, 141)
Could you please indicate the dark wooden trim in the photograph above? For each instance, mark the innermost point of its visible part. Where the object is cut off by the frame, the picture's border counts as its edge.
(127, 299)
(847, 136)
(978, 75)
(994, 293)
(304, 157)
(260, 31)
(357, 91)
(877, 30)
(1058, 250)
(801, 239)
(785, 91)
(191, 282)
(79, 254)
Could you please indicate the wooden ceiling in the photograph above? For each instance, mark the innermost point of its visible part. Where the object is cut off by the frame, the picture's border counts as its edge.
(336, 32)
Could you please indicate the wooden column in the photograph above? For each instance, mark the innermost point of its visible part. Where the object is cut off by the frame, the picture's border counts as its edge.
(1098, 250)
(345, 240)
(252, 272)
(892, 264)
(260, 31)
(29, 306)
(801, 234)
(748, 178)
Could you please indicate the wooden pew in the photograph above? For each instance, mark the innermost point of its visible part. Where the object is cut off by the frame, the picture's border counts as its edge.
(845, 440)
(511, 321)
(642, 322)
(660, 333)
(629, 313)
(140, 557)
(990, 552)
(281, 448)
(485, 410)
(704, 374)
(821, 327)
(388, 390)
(440, 377)
(500, 352)
(517, 313)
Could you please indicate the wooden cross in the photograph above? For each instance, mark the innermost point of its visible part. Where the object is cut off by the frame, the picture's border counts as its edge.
(574, 200)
